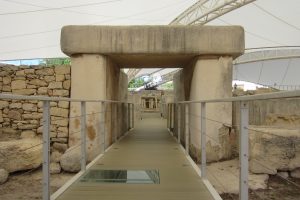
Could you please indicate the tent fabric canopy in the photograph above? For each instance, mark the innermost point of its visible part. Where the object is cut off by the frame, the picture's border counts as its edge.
(31, 28)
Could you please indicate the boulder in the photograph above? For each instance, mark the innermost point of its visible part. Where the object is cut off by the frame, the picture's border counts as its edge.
(3, 104)
(60, 147)
(29, 71)
(17, 155)
(42, 90)
(3, 176)
(224, 176)
(70, 160)
(29, 107)
(283, 174)
(49, 79)
(63, 104)
(55, 168)
(59, 78)
(273, 149)
(55, 156)
(295, 173)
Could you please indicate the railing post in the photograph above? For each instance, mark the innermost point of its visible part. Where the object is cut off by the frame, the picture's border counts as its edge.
(187, 128)
(244, 154)
(203, 140)
(172, 117)
(178, 123)
(46, 150)
(83, 135)
(103, 126)
(132, 115)
(116, 122)
(168, 116)
(128, 116)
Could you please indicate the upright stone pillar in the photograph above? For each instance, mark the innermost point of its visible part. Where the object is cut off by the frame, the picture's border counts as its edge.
(211, 79)
(90, 79)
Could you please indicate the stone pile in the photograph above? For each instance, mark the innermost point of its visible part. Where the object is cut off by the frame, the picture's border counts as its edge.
(275, 150)
(24, 117)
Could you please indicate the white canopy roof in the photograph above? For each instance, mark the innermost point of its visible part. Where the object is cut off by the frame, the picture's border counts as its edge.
(31, 28)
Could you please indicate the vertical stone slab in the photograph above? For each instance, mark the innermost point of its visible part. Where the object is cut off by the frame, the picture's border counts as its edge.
(212, 79)
(90, 75)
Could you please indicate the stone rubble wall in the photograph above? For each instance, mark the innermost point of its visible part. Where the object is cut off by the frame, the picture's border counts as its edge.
(23, 117)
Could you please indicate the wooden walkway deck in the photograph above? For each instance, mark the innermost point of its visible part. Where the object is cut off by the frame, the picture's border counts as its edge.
(148, 146)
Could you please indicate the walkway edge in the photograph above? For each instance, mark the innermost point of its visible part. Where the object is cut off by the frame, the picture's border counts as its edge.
(61, 190)
(206, 182)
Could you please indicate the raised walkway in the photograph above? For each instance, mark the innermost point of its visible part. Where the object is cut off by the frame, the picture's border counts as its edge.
(148, 147)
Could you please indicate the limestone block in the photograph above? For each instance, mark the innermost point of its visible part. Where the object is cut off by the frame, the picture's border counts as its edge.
(42, 90)
(60, 122)
(63, 129)
(38, 82)
(6, 88)
(53, 134)
(3, 176)
(63, 104)
(273, 149)
(20, 73)
(24, 91)
(55, 156)
(6, 80)
(59, 78)
(15, 105)
(55, 168)
(18, 84)
(63, 93)
(29, 71)
(68, 76)
(67, 84)
(31, 86)
(3, 104)
(14, 114)
(49, 79)
(45, 71)
(283, 174)
(27, 134)
(295, 173)
(60, 140)
(55, 85)
(70, 160)
(53, 104)
(62, 135)
(33, 115)
(27, 126)
(59, 112)
(1, 116)
(29, 107)
(62, 69)
(31, 76)
(21, 154)
(60, 147)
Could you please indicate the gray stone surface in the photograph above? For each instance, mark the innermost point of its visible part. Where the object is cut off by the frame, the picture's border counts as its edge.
(3, 176)
(70, 160)
(21, 154)
(153, 45)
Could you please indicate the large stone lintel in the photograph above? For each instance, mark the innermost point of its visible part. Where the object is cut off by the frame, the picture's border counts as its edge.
(141, 41)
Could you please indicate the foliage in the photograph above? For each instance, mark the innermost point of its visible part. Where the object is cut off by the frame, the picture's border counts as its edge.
(135, 83)
(56, 61)
(167, 86)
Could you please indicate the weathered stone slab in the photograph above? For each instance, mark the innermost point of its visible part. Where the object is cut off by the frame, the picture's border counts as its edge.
(20, 154)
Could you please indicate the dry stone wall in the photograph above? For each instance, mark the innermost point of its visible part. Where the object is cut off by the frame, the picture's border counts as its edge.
(23, 118)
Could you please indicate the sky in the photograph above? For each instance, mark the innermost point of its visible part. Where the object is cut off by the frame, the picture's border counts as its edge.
(35, 32)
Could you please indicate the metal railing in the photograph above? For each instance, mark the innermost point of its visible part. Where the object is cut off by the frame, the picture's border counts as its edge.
(46, 132)
(183, 106)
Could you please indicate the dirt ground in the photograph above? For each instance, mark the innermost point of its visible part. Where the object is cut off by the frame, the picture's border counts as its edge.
(278, 189)
(28, 185)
